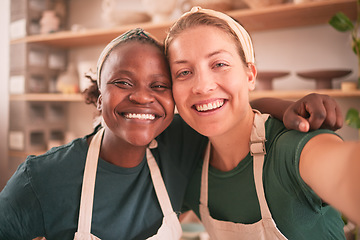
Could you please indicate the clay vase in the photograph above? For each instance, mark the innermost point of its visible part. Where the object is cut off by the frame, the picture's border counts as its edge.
(218, 5)
(49, 22)
(159, 10)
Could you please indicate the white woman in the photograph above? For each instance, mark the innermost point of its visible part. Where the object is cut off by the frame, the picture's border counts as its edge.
(108, 184)
(258, 180)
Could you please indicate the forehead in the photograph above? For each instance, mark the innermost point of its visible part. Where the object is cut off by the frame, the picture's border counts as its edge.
(202, 38)
(130, 50)
(136, 59)
(135, 55)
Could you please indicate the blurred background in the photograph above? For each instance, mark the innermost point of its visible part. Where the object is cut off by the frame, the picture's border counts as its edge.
(47, 45)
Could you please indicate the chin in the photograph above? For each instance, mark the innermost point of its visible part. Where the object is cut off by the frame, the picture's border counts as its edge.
(140, 140)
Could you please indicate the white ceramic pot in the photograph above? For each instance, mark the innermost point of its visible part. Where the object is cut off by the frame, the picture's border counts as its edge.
(262, 3)
(159, 10)
(218, 5)
(49, 22)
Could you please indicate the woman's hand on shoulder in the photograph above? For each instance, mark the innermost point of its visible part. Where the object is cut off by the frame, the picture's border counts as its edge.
(312, 112)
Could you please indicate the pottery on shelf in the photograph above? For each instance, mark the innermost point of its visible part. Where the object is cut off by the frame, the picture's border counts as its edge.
(159, 10)
(49, 22)
(254, 4)
(68, 82)
(218, 5)
(324, 78)
(115, 16)
(265, 79)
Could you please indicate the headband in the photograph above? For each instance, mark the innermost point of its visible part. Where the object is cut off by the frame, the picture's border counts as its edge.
(241, 33)
(134, 33)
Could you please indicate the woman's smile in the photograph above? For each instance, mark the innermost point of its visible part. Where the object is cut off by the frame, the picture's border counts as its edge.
(139, 116)
(138, 100)
(210, 106)
(210, 82)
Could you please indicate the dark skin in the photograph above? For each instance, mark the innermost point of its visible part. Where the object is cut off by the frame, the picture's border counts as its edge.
(135, 100)
(311, 112)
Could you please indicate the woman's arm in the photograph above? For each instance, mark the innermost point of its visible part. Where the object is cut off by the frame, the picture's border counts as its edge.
(308, 113)
(331, 168)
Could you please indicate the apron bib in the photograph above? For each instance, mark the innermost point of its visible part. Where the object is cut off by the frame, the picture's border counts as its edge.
(170, 228)
(263, 229)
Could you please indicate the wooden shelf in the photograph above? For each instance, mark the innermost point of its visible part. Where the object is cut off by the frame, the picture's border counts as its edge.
(296, 94)
(283, 94)
(269, 18)
(47, 97)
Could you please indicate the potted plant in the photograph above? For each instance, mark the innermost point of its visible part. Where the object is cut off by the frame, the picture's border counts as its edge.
(342, 23)
(353, 119)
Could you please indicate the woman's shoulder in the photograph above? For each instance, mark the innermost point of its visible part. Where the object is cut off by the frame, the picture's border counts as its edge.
(62, 158)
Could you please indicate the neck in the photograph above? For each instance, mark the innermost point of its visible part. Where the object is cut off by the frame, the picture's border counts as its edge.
(227, 150)
(120, 153)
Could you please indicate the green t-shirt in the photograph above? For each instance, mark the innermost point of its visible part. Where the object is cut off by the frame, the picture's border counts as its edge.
(297, 211)
(43, 196)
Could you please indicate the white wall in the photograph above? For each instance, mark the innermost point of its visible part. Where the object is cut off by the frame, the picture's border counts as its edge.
(4, 95)
(302, 49)
(308, 48)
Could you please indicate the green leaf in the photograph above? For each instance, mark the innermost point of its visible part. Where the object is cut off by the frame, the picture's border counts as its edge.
(354, 43)
(353, 118)
(341, 22)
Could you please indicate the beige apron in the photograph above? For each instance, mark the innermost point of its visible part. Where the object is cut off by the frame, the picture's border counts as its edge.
(263, 229)
(170, 228)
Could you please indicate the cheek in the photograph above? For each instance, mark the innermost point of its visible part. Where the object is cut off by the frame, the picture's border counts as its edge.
(179, 92)
(167, 101)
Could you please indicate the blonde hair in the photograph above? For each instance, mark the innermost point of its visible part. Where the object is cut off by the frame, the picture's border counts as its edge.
(198, 17)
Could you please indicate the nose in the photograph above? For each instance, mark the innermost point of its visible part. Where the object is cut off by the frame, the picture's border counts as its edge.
(203, 83)
(141, 96)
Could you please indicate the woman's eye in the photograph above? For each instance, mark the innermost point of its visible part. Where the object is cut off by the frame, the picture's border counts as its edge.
(221, 64)
(183, 74)
(160, 86)
(122, 83)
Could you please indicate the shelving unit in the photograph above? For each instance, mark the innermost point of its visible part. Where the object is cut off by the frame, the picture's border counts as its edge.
(48, 97)
(270, 18)
(296, 94)
(283, 94)
(274, 17)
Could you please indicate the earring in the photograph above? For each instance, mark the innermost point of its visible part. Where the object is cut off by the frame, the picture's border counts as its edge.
(98, 104)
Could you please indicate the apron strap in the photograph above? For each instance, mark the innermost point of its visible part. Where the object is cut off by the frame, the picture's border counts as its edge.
(257, 150)
(159, 185)
(88, 185)
(204, 177)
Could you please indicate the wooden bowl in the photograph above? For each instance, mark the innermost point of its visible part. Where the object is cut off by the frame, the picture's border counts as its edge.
(323, 78)
(265, 79)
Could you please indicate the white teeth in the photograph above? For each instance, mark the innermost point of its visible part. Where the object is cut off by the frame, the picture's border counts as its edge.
(140, 116)
(209, 106)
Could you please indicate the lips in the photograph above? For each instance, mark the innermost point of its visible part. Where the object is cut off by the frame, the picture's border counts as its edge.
(209, 106)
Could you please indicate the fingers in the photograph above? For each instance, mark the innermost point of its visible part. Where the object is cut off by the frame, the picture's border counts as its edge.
(294, 118)
(301, 124)
(324, 113)
(312, 112)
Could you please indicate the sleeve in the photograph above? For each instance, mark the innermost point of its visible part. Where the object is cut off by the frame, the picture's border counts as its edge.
(21, 214)
(288, 148)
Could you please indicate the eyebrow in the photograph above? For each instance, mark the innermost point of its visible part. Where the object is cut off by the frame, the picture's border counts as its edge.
(217, 52)
(207, 56)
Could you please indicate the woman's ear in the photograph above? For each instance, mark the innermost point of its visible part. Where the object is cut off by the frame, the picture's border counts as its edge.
(99, 103)
(252, 72)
